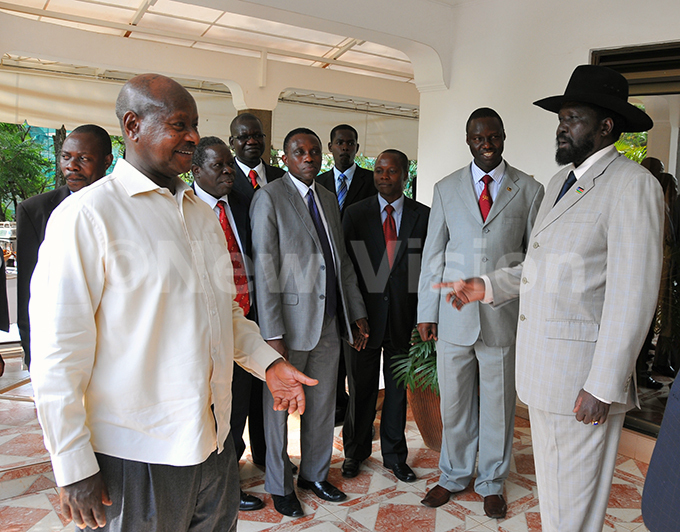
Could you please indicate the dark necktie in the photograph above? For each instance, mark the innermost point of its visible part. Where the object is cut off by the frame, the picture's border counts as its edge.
(240, 279)
(342, 191)
(571, 179)
(390, 231)
(331, 294)
(253, 179)
(485, 201)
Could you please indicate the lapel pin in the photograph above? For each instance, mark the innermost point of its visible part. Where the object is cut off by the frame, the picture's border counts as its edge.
(579, 190)
(509, 189)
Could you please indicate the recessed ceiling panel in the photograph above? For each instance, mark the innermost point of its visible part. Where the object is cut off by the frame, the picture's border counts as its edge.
(187, 11)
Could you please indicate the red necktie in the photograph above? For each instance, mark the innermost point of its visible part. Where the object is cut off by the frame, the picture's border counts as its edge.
(253, 179)
(485, 201)
(240, 279)
(390, 231)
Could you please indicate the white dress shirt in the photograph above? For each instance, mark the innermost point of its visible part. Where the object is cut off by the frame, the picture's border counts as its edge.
(349, 174)
(497, 175)
(135, 328)
(260, 169)
(212, 202)
(398, 210)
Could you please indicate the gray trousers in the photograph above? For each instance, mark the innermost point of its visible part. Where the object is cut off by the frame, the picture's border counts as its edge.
(162, 498)
(470, 422)
(316, 424)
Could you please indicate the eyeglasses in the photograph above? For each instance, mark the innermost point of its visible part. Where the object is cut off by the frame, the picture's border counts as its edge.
(246, 138)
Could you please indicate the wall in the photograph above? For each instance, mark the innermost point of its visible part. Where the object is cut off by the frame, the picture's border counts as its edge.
(509, 54)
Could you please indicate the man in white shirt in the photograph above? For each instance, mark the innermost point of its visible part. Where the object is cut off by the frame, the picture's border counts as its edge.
(136, 328)
(587, 292)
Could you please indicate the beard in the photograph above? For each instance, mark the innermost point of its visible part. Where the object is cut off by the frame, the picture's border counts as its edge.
(575, 152)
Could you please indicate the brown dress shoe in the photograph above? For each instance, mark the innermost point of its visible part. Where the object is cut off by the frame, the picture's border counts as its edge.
(436, 497)
(494, 506)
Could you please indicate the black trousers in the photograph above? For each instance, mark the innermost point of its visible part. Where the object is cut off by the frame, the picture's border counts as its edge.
(363, 372)
(246, 403)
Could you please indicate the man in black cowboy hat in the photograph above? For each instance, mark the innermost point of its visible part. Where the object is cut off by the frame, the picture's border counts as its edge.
(587, 290)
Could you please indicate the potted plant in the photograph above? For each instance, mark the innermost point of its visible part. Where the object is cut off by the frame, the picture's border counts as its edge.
(417, 371)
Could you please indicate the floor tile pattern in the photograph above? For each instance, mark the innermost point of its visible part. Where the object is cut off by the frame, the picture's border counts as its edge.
(377, 501)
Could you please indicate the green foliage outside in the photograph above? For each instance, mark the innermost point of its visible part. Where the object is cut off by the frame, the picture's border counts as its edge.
(23, 168)
(633, 145)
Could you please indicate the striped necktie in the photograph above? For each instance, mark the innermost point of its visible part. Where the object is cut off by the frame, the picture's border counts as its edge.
(342, 191)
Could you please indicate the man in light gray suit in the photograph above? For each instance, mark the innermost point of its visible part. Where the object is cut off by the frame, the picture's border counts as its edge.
(587, 292)
(307, 290)
(481, 219)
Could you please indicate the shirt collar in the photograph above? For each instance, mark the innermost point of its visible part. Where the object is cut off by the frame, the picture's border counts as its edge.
(246, 169)
(398, 204)
(302, 188)
(590, 161)
(209, 198)
(349, 173)
(135, 182)
(496, 174)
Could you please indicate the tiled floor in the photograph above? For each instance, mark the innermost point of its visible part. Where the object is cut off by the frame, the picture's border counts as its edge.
(29, 501)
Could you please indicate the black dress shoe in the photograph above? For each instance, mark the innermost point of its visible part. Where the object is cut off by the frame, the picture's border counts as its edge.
(324, 490)
(249, 502)
(403, 472)
(350, 467)
(646, 381)
(288, 505)
(666, 371)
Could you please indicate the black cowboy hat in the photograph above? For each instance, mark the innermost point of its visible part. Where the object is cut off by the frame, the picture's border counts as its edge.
(604, 87)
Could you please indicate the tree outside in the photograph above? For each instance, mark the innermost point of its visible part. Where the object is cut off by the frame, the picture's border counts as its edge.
(23, 168)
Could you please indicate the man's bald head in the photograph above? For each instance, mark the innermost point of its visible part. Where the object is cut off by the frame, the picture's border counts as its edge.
(159, 121)
(149, 93)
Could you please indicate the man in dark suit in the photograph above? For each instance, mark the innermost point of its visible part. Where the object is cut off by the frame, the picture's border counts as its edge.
(247, 141)
(85, 156)
(306, 290)
(213, 169)
(350, 183)
(357, 183)
(384, 237)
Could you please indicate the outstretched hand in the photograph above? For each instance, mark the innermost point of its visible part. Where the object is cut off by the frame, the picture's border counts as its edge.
(360, 333)
(285, 383)
(464, 291)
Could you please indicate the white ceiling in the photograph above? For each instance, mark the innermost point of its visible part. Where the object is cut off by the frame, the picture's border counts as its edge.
(167, 21)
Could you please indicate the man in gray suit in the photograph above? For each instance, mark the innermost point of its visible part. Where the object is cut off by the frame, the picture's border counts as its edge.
(306, 289)
(587, 292)
(481, 219)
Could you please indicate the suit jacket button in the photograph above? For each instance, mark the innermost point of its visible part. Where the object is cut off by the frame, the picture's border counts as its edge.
(484, 259)
(322, 297)
(486, 229)
(524, 280)
(522, 317)
(323, 267)
(385, 298)
(535, 245)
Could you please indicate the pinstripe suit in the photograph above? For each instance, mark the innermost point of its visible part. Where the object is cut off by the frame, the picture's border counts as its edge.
(588, 289)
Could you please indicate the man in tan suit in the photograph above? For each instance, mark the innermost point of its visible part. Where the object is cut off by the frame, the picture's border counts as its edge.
(587, 290)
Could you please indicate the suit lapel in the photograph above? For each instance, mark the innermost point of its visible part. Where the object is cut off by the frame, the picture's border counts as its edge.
(301, 209)
(355, 188)
(507, 190)
(466, 191)
(409, 217)
(578, 191)
(374, 221)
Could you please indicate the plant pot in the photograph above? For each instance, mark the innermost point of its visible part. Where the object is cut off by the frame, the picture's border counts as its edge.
(425, 407)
